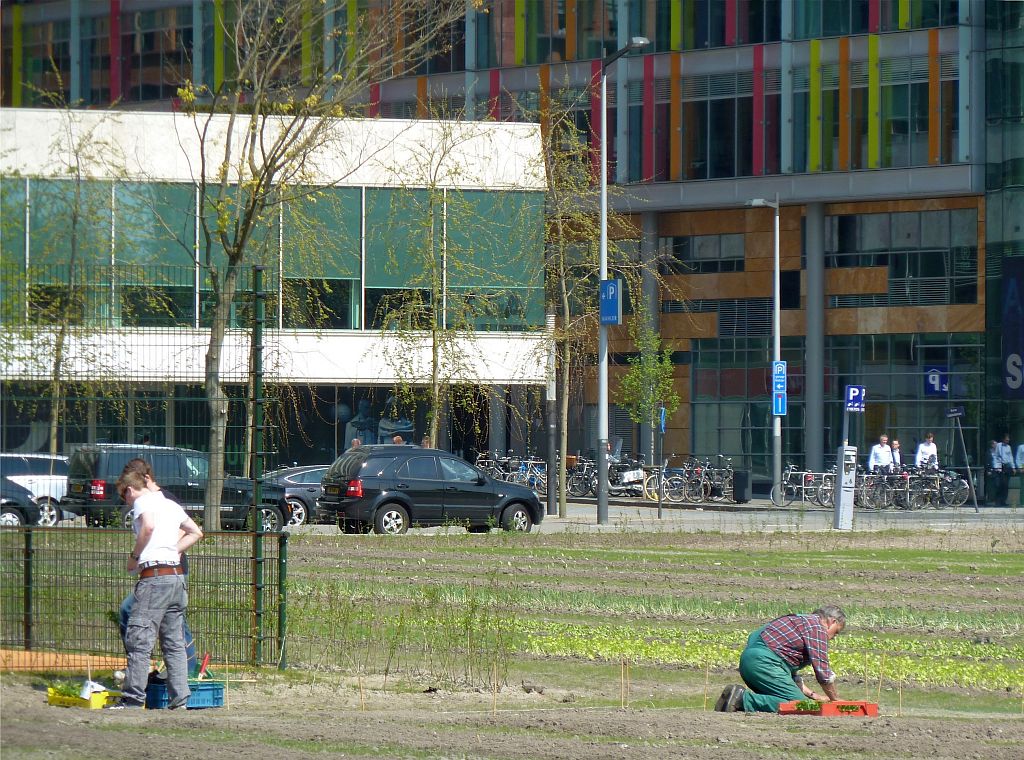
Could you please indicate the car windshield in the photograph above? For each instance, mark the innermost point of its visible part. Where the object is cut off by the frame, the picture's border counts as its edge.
(83, 463)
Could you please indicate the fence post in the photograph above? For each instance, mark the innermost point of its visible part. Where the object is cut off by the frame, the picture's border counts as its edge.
(282, 598)
(29, 552)
(259, 316)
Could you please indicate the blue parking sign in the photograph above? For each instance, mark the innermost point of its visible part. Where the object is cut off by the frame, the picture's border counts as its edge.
(611, 302)
(855, 398)
(779, 403)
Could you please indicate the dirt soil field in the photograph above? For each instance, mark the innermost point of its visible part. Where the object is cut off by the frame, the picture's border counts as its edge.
(302, 713)
(269, 719)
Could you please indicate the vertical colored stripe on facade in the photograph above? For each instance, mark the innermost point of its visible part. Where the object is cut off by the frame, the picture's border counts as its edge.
(904, 14)
(544, 86)
(374, 109)
(757, 128)
(17, 55)
(730, 22)
(494, 94)
(519, 23)
(218, 44)
(352, 28)
(874, 16)
(675, 20)
(934, 99)
(307, 44)
(845, 111)
(570, 30)
(647, 119)
(814, 122)
(422, 99)
(595, 119)
(874, 104)
(675, 110)
(115, 50)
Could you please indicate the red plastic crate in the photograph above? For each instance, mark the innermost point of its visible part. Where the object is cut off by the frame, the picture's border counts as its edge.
(840, 709)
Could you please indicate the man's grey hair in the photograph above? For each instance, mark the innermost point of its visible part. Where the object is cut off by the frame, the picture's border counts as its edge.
(833, 612)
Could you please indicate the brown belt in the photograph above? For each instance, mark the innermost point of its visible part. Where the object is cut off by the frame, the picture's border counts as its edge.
(149, 572)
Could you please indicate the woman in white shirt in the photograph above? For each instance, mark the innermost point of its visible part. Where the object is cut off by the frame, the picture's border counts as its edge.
(927, 452)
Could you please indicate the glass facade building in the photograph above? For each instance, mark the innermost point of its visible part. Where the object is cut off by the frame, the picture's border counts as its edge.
(889, 130)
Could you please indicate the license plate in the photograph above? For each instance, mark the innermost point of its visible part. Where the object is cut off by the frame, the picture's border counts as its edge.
(333, 490)
(632, 476)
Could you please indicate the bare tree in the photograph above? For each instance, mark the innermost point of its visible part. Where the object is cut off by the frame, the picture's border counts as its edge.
(572, 233)
(279, 105)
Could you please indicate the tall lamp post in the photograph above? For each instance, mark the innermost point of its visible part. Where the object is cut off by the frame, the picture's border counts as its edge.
(635, 43)
(776, 338)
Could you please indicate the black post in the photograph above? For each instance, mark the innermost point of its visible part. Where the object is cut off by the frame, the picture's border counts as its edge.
(282, 598)
(967, 461)
(256, 469)
(29, 551)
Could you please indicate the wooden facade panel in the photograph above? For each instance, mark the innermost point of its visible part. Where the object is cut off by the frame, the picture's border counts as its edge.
(905, 319)
(675, 327)
(916, 204)
(856, 280)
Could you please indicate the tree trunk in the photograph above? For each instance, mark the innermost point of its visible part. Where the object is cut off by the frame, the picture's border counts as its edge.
(217, 399)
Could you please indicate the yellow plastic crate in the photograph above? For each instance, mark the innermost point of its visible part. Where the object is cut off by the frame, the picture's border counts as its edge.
(96, 700)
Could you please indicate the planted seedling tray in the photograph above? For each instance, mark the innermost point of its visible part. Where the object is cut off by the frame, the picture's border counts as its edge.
(838, 709)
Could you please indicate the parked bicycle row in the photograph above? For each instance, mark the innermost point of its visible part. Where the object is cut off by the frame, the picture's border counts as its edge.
(886, 488)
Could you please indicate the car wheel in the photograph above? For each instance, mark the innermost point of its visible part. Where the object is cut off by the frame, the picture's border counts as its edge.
(126, 519)
(391, 519)
(49, 513)
(10, 518)
(299, 513)
(517, 518)
(271, 520)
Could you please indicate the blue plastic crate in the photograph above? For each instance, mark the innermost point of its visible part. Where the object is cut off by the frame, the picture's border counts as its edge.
(204, 694)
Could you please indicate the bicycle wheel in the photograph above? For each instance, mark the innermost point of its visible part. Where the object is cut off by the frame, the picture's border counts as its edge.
(652, 483)
(955, 494)
(880, 495)
(694, 492)
(920, 495)
(675, 489)
(783, 494)
(578, 485)
(826, 493)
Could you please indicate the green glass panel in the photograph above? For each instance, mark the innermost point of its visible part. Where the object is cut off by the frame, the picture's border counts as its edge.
(12, 221)
(155, 225)
(262, 244)
(69, 225)
(403, 238)
(321, 234)
(495, 239)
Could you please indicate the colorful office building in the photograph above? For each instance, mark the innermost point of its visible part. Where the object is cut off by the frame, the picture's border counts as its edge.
(889, 132)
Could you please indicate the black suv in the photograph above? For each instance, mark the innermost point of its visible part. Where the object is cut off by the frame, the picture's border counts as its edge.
(389, 488)
(182, 473)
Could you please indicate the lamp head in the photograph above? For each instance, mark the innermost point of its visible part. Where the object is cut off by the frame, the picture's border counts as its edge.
(757, 203)
(635, 43)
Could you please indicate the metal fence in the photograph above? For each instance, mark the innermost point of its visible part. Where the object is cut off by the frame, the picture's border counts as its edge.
(60, 590)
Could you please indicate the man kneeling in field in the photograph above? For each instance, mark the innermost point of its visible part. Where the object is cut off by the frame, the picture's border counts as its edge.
(774, 654)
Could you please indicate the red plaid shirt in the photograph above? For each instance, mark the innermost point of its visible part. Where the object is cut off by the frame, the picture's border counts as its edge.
(800, 640)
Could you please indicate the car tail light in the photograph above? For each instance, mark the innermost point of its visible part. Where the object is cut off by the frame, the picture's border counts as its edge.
(355, 488)
(98, 489)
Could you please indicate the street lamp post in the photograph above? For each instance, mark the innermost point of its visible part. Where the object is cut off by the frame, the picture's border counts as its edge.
(776, 338)
(635, 43)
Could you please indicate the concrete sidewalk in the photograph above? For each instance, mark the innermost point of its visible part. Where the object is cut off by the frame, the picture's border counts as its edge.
(761, 515)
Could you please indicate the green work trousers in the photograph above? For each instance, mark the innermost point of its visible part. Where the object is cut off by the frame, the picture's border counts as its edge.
(768, 677)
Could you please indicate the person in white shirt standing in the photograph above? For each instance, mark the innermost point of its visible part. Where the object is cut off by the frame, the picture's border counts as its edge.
(927, 452)
(881, 455)
(1002, 463)
(162, 532)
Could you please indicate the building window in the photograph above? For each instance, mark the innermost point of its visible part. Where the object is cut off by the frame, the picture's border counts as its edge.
(701, 254)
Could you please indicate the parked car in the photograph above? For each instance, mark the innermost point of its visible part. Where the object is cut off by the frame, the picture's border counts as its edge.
(45, 476)
(301, 487)
(183, 473)
(16, 505)
(389, 488)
